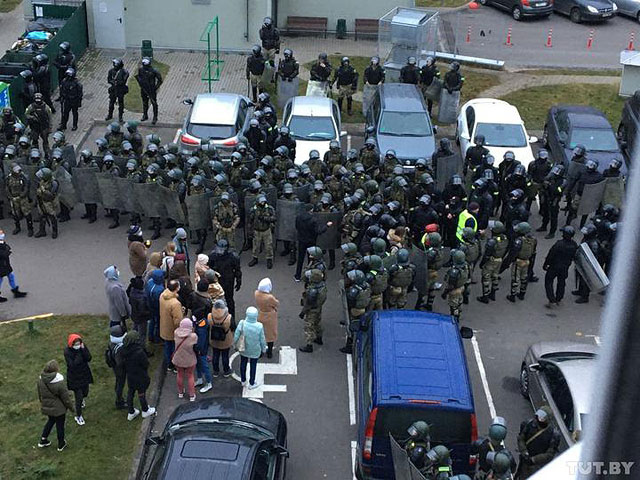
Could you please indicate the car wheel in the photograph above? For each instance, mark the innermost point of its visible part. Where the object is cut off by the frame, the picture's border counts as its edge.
(516, 13)
(575, 15)
(524, 381)
(545, 137)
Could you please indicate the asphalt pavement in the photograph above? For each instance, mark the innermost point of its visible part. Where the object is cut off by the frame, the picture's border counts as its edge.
(311, 390)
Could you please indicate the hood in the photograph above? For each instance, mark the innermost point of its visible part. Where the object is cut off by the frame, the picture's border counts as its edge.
(203, 259)
(132, 337)
(72, 338)
(265, 285)
(407, 148)
(111, 273)
(185, 328)
(303, 147)
(168, 295)
(157, 276)
(251, 315)
(53, 377)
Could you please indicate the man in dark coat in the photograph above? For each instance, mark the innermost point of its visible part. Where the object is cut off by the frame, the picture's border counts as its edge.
(557, 265)
(6, 270)
(149, 80)
(71, 98)
(136, 365)
(308, 231)
(116, 338)
(226, 262)
(117, 79)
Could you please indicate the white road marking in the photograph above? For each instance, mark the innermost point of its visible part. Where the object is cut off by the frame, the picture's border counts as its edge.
(287, 365)
(352, 398)
(348, 142)
(354, 445)
(483, 376)
(596, 338)
(34, 317)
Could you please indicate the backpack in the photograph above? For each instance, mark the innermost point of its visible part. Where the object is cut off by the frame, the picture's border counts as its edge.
(110, 355)
(218, 333)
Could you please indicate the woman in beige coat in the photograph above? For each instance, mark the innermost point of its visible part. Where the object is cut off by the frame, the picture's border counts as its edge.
(221, 318)
(267, 306)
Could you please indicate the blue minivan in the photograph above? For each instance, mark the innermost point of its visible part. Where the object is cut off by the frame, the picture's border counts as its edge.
(411, 366)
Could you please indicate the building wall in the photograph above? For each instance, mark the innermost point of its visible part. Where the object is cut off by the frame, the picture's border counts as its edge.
(335, 9)
(178, 24)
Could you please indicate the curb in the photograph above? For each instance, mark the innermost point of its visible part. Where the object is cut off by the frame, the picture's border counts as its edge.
(139, 459)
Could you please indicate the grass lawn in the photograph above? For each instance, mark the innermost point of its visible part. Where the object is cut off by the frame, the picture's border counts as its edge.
(475, 82)
(534, 103)
(133, 100)
(8, 5)
(103, 448)
(441, 3)
(572, 71)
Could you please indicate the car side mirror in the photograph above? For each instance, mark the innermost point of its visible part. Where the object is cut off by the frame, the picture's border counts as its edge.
(280, 450)
(343, 133)
(533, 139)
(153, 441)
(535, 366)
(187, 101)
(466, 332)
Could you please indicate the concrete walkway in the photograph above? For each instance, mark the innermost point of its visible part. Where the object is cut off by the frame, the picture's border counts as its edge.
(511, 82)
(12, 26)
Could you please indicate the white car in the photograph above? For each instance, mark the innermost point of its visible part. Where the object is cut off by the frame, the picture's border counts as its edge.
(501, 125)
(314, 122)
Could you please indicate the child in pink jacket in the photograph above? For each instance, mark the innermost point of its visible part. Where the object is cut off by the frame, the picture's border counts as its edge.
(184, 357)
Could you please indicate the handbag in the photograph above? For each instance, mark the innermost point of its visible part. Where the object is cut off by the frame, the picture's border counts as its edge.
(240, 343)
(177, 348)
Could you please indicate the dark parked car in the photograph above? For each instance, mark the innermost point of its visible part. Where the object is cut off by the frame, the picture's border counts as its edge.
(571, 125)
(630, 125)
(586, 10)
(520, 9)
(221, 438)
(398, 120)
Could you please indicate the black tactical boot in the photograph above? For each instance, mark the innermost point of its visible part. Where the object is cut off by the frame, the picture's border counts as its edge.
(483, 299)
(340, 104)
(145, 117)
(41, 230)
(521, 295)
(318, 341)
(292, 258)
(269, 263)
(17, 293)
(157, 226)
(492, 295)
(93, 213)
(54, 226)
(465, 298)
(348, 348)
(203, 240)
(253, 262)
(18, 229)
(349, 105)
(86, 214)
(511, 298)
(29, 226)
(308, 348)
(155, 120)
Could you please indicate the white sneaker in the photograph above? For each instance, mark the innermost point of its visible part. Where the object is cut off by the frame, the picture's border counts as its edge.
(150, 411)
(254, 386)
(181, 395)
(131, 416)
(192, 398)
(79, 420)
(199, 382)
(244, 384)
(206, 388)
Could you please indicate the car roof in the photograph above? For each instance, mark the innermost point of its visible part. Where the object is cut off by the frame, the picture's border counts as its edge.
(419, 356)
(561, 346)
(585, 116)
(215, 109)
(311, 106)
(401, 97)
(230, 408)
(491, 110)
(579, 375)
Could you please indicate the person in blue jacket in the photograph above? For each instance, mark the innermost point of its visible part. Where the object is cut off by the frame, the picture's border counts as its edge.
(153, 289)
(254, 346)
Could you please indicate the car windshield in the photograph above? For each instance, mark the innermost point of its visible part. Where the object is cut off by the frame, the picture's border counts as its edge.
(594, 139)
(502, 134)
(402, 124)
(312, 128)
(221, 429)
(206, 131)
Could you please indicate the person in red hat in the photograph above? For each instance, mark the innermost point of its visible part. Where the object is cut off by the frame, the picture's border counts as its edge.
(77, 357)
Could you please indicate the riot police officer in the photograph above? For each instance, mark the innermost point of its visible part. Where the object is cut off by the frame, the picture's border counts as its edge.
(47, 201)
(453, 79)
(358, 294)
(117, 78)
(410, 73)
(153, 176)
(472, 249)
(455, 280)
(495, 250)
(29, 87)
(226, 262)
(351, 259)
(321, 70)
(537, 172)
(590, 237)
(428, 73)
(18, 185)
(437, 258)
(255, 69)
(589, 176)
(553, 188)
(378, 278)
(401, 277)
(64, 60)
(374, 74)
(42, 77)
(8, 122)
(346, 80)
(262, 217)
(270, 38)
(557, 264)
(487, 447)
(313, 298)
(226, 220)
(288, 67)
(285, 139)
(38, 116)
(71, 98)
(538, 443)
(521, 253)
(149, 79)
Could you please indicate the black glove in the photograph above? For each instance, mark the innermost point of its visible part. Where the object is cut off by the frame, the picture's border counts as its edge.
(444, 295)
(301, 315)
(238, 285)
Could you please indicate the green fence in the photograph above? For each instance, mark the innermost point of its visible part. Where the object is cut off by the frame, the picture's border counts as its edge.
(74, 31)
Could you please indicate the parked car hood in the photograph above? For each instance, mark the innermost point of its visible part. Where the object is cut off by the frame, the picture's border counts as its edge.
(523, 154)
(603, 158)
(303, 147)
(597, 3)
(407, 148)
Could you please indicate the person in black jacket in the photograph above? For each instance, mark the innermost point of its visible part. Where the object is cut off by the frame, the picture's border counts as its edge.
(226, 262)
(149, 80)
(136, 365)
(308, 231)
(77, 357)
(7, 271)
(64, 60)
(116, 338)
(117, 78)
(42, 76)
(71, 98)
(140, 311)
(557, 265)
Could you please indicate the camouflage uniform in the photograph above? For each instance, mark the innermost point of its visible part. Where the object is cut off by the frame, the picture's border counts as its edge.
(48, 204)
(436, 259)
(313, 298)
(495, 250)
(262, 218)
(400, 278)
(526, 249)
(225, 222)
(379, 281)
(18, 193)
(455, 280)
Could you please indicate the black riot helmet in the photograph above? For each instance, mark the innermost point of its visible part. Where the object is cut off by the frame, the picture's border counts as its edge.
(117, 63)
(519, 170)
(256, 50)
(284, 131)
(267, 22)
(479, 140)
(27, 75)
(579, 151)
(411, 60)
(591, 165)
(557, 170)
(568, 232)
(509, 156)
(456, 180)
(543, 154)
(615, 164)
(322, 57)
(288, 53)
(65, 47)
(516, 195)
(425, 200)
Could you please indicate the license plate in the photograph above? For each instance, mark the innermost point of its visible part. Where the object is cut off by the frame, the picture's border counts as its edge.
(607, 14)
(542, 4)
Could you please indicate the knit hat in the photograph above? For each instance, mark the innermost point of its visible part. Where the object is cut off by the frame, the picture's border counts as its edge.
(211, 276)
(181, 233)
(116, 331)
(203, 286)
(71, 339)
(185, 328)
(265, 285)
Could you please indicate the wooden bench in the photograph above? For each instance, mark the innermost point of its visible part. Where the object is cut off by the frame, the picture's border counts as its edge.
(366, 26)
(307, 25)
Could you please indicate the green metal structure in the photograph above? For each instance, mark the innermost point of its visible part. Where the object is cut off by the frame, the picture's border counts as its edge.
(213, 68)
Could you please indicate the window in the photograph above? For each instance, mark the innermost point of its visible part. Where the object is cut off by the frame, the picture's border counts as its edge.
(312, 128)
(264, 464)
(447, 426)
(367, 373)
(403, 124)
(242, 115)
(562, 122)
(471, 118)
(286, 113)
(206, 131)
(594, 139)
(502, 135)
(560, 393)
(336, 113)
